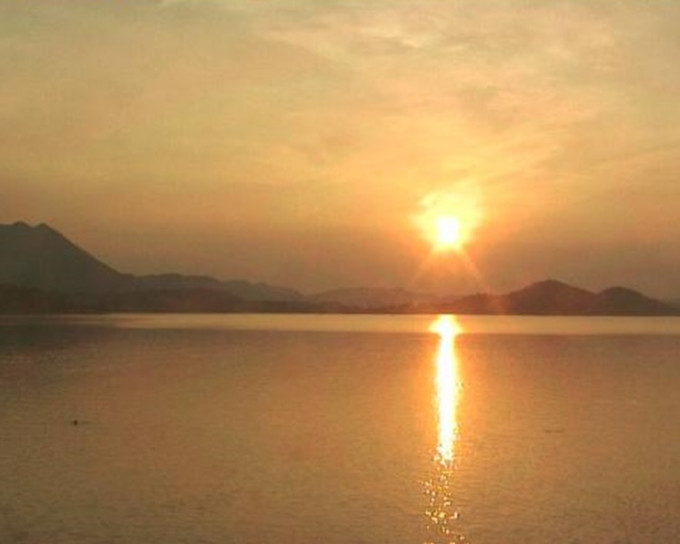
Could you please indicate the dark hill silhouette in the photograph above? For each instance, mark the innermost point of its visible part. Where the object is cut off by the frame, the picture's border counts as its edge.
(369, 297)
(26, 300)
(240, 288)
(42, 258)
(552, 297)
(168, 282)
(624, 301)
(194, 301)
(177, 301)
(549, 296)
(42, 271)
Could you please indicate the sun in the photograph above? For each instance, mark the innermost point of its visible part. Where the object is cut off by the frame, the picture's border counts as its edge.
(448, 221)
(448, 233)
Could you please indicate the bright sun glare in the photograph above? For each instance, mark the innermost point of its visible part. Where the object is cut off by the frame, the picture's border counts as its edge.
(448, 220)
(449, 233)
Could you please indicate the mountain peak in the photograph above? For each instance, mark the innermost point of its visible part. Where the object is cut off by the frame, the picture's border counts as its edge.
(552, 283)
(552, 287)
(41, 257)
(24, 225)
(553, 297)
(624, 301)
(619, 290)
(44, 226)
(25, 228)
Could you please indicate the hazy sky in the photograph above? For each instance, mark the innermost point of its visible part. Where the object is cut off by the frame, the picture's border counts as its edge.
(295, 141)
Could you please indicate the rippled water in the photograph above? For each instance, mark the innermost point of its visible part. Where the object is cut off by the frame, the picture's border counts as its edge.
(339, 429)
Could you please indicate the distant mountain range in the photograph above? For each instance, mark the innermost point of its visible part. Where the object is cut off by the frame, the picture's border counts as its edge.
(41, 271)
(551, 297)
(42, 258)
(369, 298)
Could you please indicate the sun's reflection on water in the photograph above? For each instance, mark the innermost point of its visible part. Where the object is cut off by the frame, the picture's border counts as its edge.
(442, 513)
(448, 386)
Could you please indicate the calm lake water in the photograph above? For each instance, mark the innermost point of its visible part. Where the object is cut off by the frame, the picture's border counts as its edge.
(339, 429)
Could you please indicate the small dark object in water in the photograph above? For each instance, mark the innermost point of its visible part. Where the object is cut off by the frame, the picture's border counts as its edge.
(76, 422)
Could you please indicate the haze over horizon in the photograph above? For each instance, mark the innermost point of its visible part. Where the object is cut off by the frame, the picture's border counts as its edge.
(294, 142)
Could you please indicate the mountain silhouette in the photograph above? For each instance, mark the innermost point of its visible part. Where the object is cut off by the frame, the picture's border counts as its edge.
(42, 258)
(41, 271)
(27, 300)
(241, 289)
(552, 297)
(624, 301)
(369, 297)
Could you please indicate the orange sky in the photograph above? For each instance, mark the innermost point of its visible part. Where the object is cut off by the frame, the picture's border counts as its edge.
(294, 141)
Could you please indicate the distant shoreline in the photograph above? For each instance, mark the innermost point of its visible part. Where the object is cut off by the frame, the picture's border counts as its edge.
(42, 272)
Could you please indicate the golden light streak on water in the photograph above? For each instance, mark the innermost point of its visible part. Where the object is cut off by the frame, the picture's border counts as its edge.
(448, 386)
(442, 512)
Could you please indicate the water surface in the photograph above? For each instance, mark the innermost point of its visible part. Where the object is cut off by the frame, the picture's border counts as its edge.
(346, 429)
